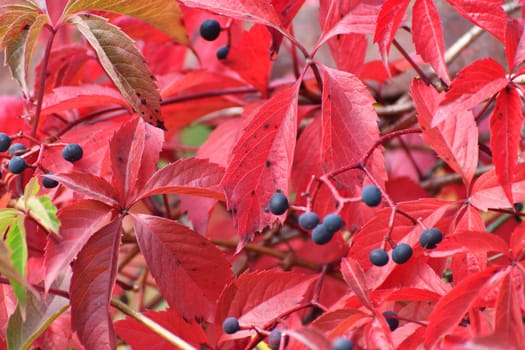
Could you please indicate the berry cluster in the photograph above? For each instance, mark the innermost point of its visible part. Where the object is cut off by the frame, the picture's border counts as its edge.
(402, 252)
(210, 30)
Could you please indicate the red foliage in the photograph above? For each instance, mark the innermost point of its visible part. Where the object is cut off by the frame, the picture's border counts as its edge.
(177, 234)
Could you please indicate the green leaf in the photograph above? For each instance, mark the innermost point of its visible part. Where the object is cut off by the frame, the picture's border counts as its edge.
(124, 64)
(25, 326)
(166, 15)
(42, 210)
(14, 40)
(16, 241)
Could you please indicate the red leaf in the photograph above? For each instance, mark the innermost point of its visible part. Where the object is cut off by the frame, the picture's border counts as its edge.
(259, 297)
(514, 43)
(356, 280)
(455, 140)
(508, 323)
(473, 84)
(90, 185)
(139, 336)
(517, 240)
(191, 176)
(453, 306)
(488, 193)
(287, 9)
(261, 162)
(487, 14)
(337, 322)
(388, 22)
(259, 11)
(470, 220)
(505, 137)
(134, 151)
(178, 258)
(74, 97)
(349, 127)
(218, 146)
(359, 20)
(469, 242)
(250, 57)
(79, 221)
(94, 274)
(309, 337)
(427, 34)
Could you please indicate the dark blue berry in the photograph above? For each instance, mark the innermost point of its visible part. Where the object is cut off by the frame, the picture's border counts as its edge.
(342, 343)
(371, 195)
(278, 203)
(16, 148)
(222, 52)
(321, 235)
(5, 142)
(333, 222)
(17, 165)
(274, 339)
(391, 319)
(230, 325)
(378, 257)
(308, 220)
(210, 29)
(72, 152)
(401, 253)
(48, 182)
(430, 237)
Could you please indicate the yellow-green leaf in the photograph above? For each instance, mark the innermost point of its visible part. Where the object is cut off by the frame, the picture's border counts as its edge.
(166, 15)
(40, 312)
(124, 64)
(42, 210)
(14, 40)
(16, 241)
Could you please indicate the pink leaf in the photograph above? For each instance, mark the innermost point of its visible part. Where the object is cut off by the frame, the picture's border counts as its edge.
(178, 259)
(455, 140)
(259, 11)
(505, 137)
(134, 150)
(488, 14)
(388, 22)
(475, 83)
(94, 274)
(427, 34)
(356, 280)
(453, 306)
(469, 242)
(259, 297)
(73, 97)
(191, 176)
(349, 127)
(309, 337)
(79, 221)
(139, 336)
(508, 321)
(90, 185)
(261, 161)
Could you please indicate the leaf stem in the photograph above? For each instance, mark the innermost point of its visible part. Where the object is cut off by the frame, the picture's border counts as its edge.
(152, 325)
(418, 69)
(42, 82)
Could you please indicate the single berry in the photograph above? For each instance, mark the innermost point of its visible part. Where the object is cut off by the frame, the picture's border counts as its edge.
(321, 235)
(5, 142)
(48, 182)
(230, 325)
(401, 253)
(210, 29)
(371, 195)
(17, 165)
(378, 257)
(278, 203)
(308, 220)
(16, 148)
(333, 222)
(342, 343)
(430, 237)
(72, 152)
(222, 52)
(274, 339)
(391, 319)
